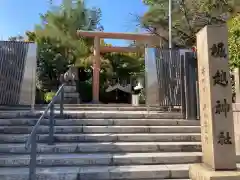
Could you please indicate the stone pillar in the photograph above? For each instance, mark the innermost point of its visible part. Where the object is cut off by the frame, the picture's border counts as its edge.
(236, 110)
(28, 84)
(151, 79)
(237, 84)
(96, 69)
(236, 117)
(217, 130)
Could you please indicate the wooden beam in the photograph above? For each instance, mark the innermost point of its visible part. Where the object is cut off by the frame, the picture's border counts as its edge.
(105, 49)
(110, 35)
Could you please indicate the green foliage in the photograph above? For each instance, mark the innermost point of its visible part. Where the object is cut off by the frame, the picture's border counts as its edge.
(39, 98)
(188, 16)
(234, 41)
(58, 43)
(50, 65)
(61, 25)
(49, 96)
(85, 91)
(148, 2)
(31, 36)
(59, 47)
(16, 38)
(124, 65)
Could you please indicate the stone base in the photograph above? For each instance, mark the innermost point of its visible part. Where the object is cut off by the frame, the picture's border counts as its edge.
(202, 172)
(71, 100)
(95, 102)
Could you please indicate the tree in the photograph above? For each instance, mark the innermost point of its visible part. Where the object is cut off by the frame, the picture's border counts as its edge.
(188, 16)
(234, 41)
(51, 64)
(58, 44)
(31, 36)
(62, 23)
(16, 38)
(125, 65)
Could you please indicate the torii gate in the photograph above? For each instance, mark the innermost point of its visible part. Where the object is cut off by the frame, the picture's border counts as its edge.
(98, 35)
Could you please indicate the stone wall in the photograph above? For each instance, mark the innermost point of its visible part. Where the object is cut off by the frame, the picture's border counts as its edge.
(170, 80)
(236, 110)
(236, 118)
(151, 79)
(17, 73)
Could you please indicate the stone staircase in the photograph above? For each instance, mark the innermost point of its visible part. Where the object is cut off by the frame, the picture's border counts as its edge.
(101, 145)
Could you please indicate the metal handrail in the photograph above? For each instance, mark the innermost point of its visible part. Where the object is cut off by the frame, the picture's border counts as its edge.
(32, 139)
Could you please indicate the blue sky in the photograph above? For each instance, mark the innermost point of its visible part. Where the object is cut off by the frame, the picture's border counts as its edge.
(17, 16)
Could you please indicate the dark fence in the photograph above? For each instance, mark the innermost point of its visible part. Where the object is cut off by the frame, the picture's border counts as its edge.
(169, 77)
(173, 75)
(12, 63)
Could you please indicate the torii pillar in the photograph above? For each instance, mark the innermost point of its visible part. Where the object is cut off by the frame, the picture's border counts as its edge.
(96, 70)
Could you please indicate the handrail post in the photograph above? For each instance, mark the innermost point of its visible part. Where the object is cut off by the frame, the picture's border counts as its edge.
(33, 158)
(32, 139)
(51, 125)
(61, 101)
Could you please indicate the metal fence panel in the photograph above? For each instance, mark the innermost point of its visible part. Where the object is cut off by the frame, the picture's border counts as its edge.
(191, 86)
(171, 80)
(12, 63)
(169, 77)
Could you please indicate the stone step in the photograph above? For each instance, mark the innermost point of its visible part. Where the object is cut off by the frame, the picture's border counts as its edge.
(96, 114)
(102, 159)
(101, 129)
(71, 95)
(97, 122)
(104, 137)
(111, 105)
(108, 147)
(89, 108)
(122, 114)
(171, 171)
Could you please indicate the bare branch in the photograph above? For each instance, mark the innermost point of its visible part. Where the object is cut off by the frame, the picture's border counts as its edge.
(150, 29)
(183, 7)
